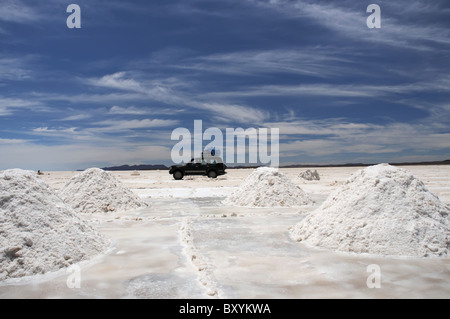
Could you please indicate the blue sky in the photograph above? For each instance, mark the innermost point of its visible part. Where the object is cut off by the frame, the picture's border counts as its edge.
(112, 92)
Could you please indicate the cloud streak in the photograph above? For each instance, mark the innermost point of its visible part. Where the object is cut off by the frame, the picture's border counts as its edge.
(313, 61)
(349, 20)
(16, 11)
(359, 90)
(159, 91)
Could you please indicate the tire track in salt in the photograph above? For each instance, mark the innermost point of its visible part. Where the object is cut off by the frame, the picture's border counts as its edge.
(200, 262)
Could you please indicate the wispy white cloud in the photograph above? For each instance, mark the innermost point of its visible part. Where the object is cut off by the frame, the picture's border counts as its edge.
(88, 98)
(158, 90)
(137, 111)
(172, 93)
(17, 103)
(9, 141)
(18, 12)
(118, 81)
(45, 129)
(60, 134)
(121, 125)
(14, 68)
(236, 113)
(349, 21)
(131, 110)
(340, 137)
(9, 106)
(337, 90)
(312, 61)
(318, 128)
(107, 132)
(76, 117)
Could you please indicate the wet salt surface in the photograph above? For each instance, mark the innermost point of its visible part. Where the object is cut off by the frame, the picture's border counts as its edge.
(248, 253)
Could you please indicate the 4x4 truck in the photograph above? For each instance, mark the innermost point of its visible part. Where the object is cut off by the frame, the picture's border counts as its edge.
(211, 166)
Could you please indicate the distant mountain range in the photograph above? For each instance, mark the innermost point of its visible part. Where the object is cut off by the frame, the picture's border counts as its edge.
(149, 167)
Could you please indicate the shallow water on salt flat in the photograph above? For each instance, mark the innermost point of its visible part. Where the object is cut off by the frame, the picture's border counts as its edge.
(248, 253)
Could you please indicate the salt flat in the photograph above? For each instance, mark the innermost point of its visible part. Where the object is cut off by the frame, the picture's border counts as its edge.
(188, 244)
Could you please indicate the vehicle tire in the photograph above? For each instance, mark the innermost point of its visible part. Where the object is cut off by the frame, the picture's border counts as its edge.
(178, 175)
(212, 174)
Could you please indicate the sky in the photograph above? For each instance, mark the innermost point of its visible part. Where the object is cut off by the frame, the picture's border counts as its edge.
(113, 91)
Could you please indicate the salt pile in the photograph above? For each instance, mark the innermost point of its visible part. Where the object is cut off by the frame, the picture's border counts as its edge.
(381, 210)
(97, 191)
(39, 232)
(268, 187)
(310, 175)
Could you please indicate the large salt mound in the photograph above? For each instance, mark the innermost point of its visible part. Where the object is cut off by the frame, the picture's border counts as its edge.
(38, 231)
(268, 187)
(381, 210)
(97, 191)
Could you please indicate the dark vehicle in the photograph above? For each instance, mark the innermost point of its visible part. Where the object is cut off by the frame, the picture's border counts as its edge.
(211, 166)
